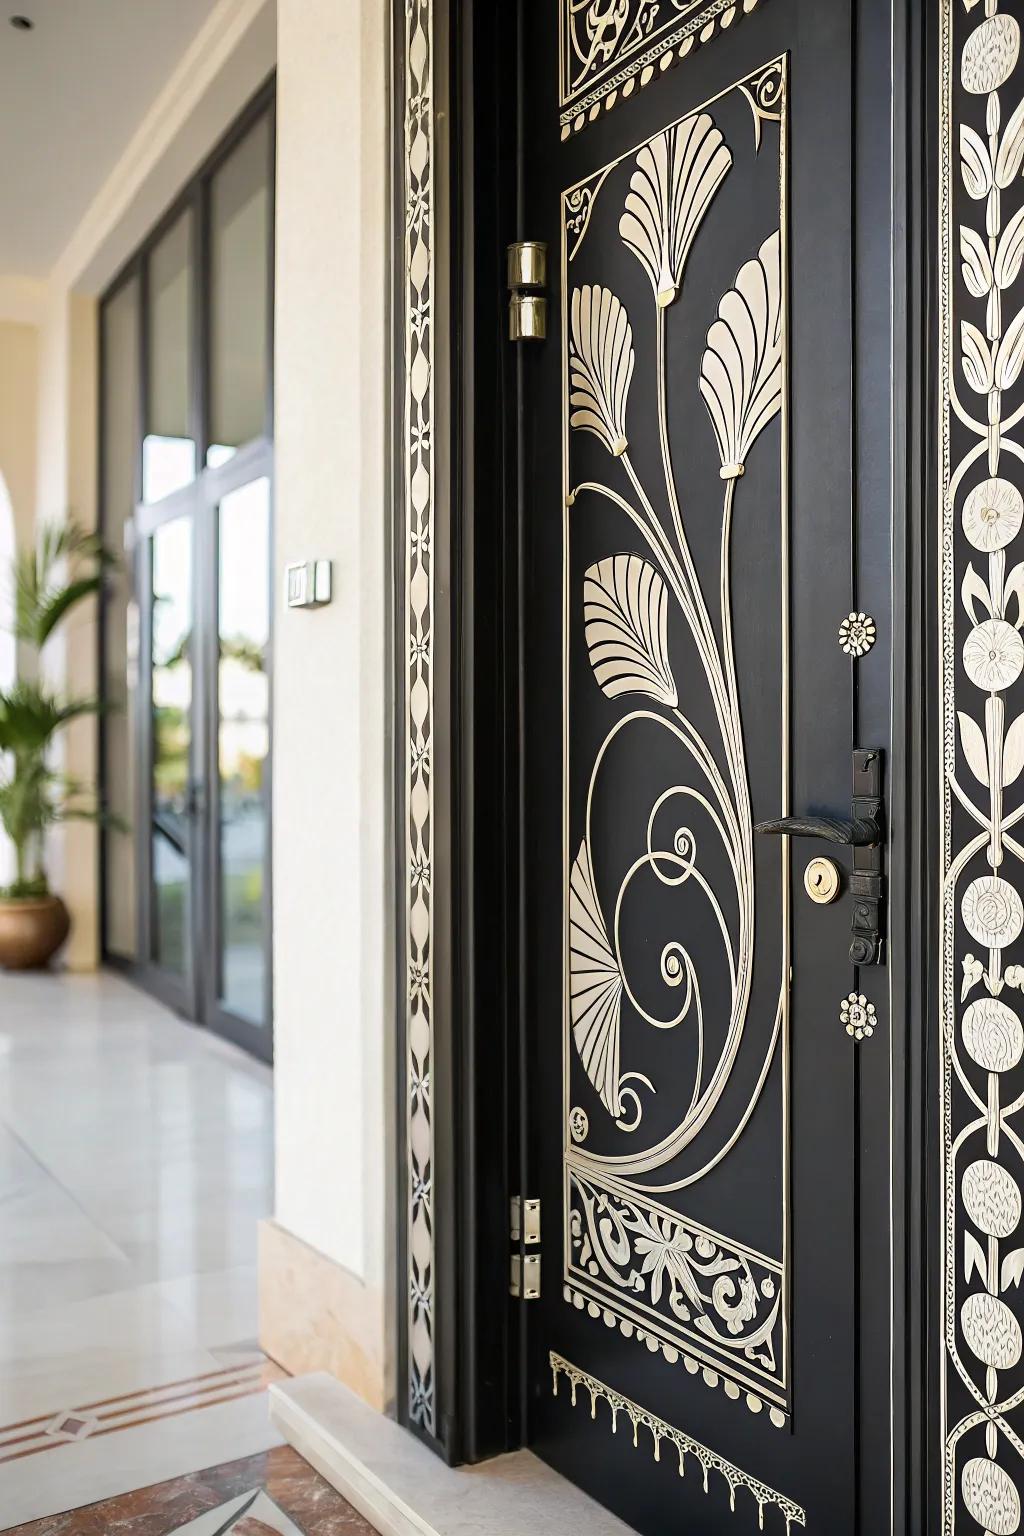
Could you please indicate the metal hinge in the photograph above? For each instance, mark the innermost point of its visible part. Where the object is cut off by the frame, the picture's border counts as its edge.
(527, 306)
(524, 1230)
(524, 1220)
(524, 1279)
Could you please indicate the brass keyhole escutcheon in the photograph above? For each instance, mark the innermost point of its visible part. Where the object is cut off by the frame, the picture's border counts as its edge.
(821, 881)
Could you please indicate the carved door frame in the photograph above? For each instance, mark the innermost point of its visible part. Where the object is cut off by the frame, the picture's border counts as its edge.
(455, 625)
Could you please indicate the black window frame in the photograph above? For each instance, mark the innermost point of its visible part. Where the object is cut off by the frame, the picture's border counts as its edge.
(196, 994)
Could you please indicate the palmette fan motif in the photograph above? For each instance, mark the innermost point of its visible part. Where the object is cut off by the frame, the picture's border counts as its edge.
(595, 985)
(638, 945)
(677, 174)
(600, 366)
(625, 614)
(741, 371)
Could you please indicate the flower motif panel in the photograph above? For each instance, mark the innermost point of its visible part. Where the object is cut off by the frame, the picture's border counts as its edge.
(418, 725)
(676, 925)
(981, 338)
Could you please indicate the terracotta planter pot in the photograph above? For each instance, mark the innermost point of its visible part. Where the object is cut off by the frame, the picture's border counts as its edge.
(32, 931)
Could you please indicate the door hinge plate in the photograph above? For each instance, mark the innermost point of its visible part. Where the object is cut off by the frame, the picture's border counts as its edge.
(524, 1221)
(524, 1279)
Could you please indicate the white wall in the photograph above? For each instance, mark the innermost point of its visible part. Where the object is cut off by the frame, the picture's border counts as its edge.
(330, 776)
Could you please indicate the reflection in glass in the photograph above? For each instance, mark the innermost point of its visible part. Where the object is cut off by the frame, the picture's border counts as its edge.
(239, 281)
(120, 613)
(243, 743)
(168, 450)
(172, 740)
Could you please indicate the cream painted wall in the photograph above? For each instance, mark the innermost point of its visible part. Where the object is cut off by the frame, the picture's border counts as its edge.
(48, 430)
(79, 842)
(331, 787)
(68, 427)
(19, 387)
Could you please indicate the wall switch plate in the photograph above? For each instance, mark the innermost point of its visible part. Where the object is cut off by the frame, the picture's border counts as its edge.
(307, 584)
(321, 581)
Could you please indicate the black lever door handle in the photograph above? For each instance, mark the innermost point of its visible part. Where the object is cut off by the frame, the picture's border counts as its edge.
(862, 832)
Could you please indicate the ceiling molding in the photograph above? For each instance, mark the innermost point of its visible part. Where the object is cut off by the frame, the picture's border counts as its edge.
(229, 57)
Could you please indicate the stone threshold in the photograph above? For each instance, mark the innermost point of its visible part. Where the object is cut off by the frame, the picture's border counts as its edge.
(403, 1489)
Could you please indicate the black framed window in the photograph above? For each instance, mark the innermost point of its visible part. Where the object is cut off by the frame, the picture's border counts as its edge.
(186, 494)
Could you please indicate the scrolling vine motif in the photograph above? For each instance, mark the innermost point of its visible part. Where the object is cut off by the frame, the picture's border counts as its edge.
(626, 600)
(721, 1297)
(982, 1037)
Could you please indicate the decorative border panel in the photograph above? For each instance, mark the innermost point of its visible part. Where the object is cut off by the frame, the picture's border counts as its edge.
(418, 598)
(664, 1434)
(740, 1348)
(611, 48)
(981, 448)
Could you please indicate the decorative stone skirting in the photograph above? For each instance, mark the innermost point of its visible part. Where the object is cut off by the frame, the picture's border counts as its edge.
(316, 1316)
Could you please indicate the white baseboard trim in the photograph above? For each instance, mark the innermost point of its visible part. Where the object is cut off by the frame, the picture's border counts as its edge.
(402, 1489)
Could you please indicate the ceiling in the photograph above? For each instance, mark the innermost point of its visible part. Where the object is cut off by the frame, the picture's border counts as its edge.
(72, 92)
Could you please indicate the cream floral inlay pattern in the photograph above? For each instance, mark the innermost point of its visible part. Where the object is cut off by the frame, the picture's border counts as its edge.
(652, 615)
(981, 312)
(418, 490)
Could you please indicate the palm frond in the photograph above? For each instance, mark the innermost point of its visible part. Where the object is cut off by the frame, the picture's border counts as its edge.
(66, 566)
(30, 715)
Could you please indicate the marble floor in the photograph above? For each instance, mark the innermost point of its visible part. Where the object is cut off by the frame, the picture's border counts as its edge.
(135, 1162)
(275, 1494)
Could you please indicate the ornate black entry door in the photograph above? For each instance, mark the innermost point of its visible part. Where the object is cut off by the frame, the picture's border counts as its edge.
(695, 1017)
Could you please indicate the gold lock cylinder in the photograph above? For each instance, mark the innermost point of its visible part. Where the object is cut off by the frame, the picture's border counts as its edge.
(822, 881)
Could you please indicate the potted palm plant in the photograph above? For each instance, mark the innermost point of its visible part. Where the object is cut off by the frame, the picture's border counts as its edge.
(64, 569)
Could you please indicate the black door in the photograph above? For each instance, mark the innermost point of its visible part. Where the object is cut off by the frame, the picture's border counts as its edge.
(697, 1027)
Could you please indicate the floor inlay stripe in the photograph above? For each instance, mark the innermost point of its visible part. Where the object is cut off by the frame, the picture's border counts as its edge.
(252, 1377)
(132, 1397)
(192, 1406)
(685, 1446)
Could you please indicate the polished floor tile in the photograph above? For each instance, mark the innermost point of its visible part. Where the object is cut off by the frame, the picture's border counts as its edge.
(135, 1163)
(276, 1492)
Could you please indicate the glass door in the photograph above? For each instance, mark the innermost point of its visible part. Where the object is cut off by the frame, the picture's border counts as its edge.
(204, 850)
(173, 790)
(238, 967)
(186, 472)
